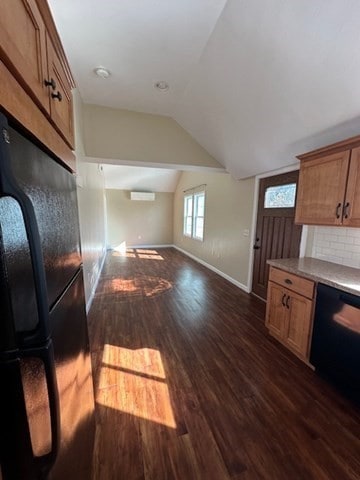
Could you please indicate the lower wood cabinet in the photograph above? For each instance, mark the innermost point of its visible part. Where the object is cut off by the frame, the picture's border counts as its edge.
(289, 311)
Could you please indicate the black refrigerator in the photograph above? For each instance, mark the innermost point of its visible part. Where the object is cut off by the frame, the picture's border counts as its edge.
(46, 389)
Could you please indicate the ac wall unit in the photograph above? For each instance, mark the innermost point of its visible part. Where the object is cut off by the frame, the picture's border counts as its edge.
(144, 196)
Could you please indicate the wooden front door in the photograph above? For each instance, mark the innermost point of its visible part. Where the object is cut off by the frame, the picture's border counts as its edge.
(276, 234)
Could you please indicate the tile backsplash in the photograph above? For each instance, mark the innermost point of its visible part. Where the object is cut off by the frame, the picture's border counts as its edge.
(337, 244)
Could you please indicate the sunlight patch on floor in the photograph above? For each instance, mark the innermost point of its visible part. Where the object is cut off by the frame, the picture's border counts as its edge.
(146, 251)
(121, 248)
(146, 254)
(123, 285)
(150, 257)
(142, 360)
(133, 382)
(139, 286)
(126, 254)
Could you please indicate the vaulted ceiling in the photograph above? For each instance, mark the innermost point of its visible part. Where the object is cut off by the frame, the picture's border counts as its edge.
(255, 82)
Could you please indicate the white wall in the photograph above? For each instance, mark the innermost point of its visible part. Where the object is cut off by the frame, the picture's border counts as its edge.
(91, 201)
(228, 214)
(139, 222)
(92, 224)
(133, 137)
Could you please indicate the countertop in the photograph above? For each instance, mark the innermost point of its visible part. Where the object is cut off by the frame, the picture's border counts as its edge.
(332, 274)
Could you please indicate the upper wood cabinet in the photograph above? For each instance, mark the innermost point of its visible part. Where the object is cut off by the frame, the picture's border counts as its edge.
(23, 45)
(61, 106)
(329, 186)
(352, 197)
(27, 49)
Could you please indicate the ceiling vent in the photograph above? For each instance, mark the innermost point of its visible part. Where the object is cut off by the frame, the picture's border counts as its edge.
(142, 196)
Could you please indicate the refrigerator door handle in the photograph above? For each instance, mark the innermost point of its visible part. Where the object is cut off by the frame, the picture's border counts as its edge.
(46, 354)
(9, 187)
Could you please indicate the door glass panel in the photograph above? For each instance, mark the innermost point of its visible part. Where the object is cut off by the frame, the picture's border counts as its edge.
(280, 196)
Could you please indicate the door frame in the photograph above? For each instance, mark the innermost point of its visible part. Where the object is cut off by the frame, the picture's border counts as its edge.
(304, 233)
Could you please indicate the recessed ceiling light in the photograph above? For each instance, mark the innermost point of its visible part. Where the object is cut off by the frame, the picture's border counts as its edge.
(162, 86)
(102, 72)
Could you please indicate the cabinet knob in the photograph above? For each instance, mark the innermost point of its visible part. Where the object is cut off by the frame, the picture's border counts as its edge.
(338, 209)
(50, 83)
(57, 95)
(346, 210)
(283, 300)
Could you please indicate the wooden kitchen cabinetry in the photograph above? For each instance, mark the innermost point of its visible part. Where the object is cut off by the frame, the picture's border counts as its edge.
(329, 186)
(289, 311)
(31, 50)
(61, 107)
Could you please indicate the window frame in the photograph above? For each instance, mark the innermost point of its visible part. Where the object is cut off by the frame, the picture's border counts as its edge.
(194, 215)
(187, 233)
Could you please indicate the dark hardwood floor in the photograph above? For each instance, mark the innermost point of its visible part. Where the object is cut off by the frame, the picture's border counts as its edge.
(189, 385)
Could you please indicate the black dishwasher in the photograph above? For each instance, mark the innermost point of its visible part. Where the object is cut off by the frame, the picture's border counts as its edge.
(335, 347)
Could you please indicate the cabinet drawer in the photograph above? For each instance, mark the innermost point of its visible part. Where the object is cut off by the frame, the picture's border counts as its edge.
(300, 285)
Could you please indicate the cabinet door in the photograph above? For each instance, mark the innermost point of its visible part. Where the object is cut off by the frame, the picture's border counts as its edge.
(23, 46)
(352, 198)
(298, 323)
(61, 108)
(321, 190)
(275, 310)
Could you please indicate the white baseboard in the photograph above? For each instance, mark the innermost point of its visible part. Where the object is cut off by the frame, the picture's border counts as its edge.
(91, 298)
(214, 269)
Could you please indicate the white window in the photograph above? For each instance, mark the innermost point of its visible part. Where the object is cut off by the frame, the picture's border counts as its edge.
(188, 215)
(198, 217)
(194, 212)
